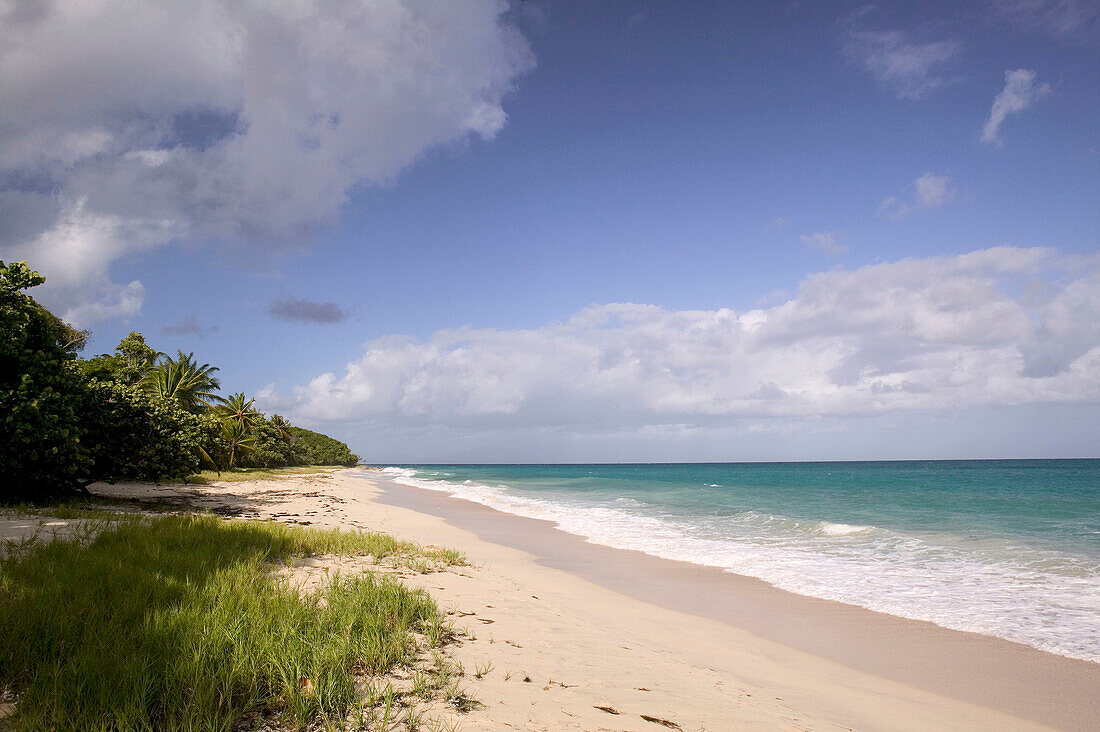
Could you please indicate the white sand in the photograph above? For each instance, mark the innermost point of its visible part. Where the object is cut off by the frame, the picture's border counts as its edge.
(583, 646)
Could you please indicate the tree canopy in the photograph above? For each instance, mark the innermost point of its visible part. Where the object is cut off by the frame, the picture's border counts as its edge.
(41, 448)
(184, 380)
(136, 414)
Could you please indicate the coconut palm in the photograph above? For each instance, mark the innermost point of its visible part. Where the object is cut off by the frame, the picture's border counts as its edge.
(234, 408)
(238, 440)
(282, 425)
(183, 379)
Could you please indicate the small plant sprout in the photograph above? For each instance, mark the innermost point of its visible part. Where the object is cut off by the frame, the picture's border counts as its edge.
(481, 670)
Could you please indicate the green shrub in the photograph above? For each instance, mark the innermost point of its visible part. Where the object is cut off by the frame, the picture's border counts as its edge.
(40, 450)
(130, 434)
(271, 449)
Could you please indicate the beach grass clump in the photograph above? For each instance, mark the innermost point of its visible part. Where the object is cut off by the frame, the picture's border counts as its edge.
(180, 622)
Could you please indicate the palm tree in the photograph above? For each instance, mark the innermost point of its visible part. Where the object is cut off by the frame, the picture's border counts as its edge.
(238, 439)
(282, 425)
(234, 408)
(185, 380)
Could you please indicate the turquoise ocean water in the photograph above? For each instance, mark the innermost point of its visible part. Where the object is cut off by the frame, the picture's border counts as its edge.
(1007, 548)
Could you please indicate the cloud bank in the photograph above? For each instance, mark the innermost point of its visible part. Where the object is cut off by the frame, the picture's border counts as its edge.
(126, 126)
(994, 328)
(1021, 91)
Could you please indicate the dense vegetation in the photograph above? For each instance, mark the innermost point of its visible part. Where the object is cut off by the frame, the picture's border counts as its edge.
(313, 448)
(178, 623)
(133, 414)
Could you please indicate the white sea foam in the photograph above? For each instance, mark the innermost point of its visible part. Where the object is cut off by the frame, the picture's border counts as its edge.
(1038, 597)
(828, 528)
(398, 472)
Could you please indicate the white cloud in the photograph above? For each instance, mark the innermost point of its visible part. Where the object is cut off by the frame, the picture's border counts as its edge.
(1021, 91)
(233, 120)
(912, 70)
(944, 333)
(76, 252)
(933, 190)
(110, 301)
(824, 241)
(929, 191)
(1064, 19)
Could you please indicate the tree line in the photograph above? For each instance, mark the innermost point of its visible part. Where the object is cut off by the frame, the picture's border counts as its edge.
(135, 414)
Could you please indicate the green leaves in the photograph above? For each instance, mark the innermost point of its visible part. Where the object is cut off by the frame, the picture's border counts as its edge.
(282, 427)
(40, 452)
(313, 448)
(238, 439)
(135, 414)
(183, 379)
(19, 276)
(235, 408)
(135, 435)
(131, 362)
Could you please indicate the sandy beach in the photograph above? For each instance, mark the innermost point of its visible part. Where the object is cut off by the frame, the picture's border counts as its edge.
(423, 366)
(569, 635)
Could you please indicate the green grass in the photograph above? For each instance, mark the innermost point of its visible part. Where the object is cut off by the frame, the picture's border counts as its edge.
(180, 622)
(206, 477)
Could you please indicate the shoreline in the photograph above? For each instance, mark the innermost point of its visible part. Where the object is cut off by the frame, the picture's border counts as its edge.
(971, 667)
(547, 648)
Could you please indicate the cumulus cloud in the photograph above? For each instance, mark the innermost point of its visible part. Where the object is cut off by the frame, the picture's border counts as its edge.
(912, 70)
(824, 241)
(957, 332)
(1021, 91)
(75, 253)
(129, 125)
(293, 309)
(928, 192)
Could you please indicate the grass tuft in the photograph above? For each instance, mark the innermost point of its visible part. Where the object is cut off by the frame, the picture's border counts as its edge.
(179, 622)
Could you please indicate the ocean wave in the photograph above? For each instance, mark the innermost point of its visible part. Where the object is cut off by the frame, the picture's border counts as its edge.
(398, 472)
(828, 528)
(1038, 597)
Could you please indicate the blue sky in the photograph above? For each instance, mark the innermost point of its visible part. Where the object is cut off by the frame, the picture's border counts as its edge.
(694, 157)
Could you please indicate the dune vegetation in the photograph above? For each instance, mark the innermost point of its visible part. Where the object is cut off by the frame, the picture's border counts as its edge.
(184, 622)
